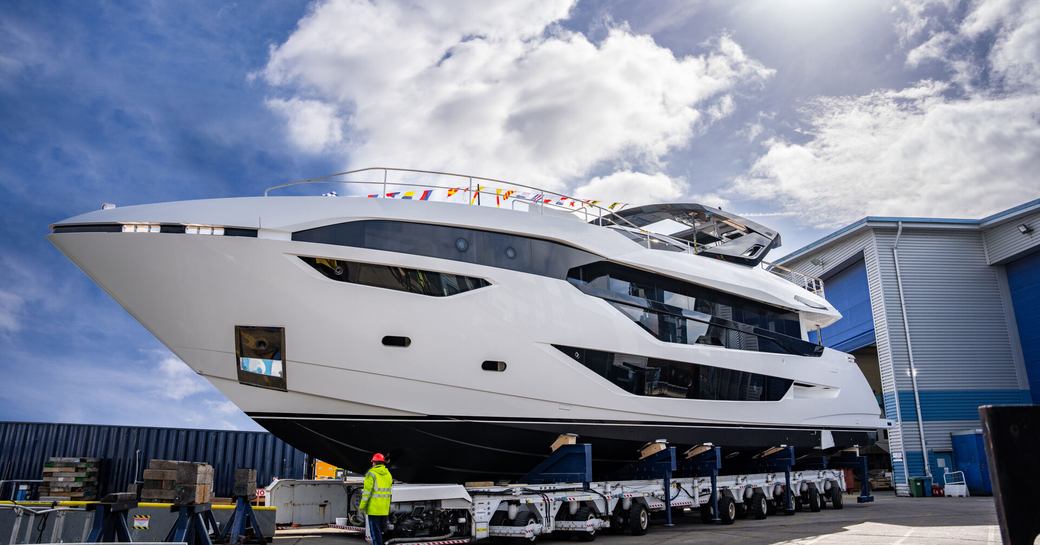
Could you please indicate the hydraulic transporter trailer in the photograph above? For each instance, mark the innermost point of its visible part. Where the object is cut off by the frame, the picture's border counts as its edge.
(560, 496)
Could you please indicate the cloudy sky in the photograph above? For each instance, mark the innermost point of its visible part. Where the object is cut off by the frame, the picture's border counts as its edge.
(808, 114)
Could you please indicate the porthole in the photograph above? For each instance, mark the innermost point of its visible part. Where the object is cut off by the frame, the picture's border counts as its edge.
(395, 340)
(497, 366)
(461, 244)
(511, 252)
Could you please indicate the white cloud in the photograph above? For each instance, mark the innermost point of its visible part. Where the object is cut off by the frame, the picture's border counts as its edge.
(10, 309)
(177, 381)
(313, 126)
(497, 89)
(632, 187)
(966, 147)
(909, 152)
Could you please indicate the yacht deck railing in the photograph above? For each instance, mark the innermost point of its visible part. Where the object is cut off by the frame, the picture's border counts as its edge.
(474, 189)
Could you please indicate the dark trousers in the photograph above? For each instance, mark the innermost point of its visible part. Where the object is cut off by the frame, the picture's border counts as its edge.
(376, 523)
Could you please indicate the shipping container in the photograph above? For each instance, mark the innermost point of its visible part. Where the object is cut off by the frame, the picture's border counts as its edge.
(24, 447)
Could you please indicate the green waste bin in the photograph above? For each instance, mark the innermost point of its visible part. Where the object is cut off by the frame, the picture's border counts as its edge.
(920, 487)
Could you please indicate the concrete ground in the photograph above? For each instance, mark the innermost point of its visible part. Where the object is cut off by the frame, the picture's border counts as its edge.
(889, 520)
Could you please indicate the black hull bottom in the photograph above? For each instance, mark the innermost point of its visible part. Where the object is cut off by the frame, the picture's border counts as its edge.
(452, 450)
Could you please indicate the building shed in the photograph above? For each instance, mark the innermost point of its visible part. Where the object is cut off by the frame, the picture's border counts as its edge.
(942, 315)
(126, 450)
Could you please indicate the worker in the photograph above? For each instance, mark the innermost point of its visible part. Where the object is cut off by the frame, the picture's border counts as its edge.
(375, 498)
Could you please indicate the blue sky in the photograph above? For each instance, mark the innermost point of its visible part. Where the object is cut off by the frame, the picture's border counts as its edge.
(809, 114)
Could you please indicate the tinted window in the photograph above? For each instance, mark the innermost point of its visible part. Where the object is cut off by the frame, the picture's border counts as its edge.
(666, 378)
(395, 278)
(628, 281)
(501, 250)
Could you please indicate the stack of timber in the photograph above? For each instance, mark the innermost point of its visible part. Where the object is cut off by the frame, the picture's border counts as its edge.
(67, 479)
(177, 482)
(880, 479)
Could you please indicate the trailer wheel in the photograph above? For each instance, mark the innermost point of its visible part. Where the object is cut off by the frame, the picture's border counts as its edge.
(836, 497)
(706, 517)
(521, 520)
(771, 506)
(759, 506)
(743, 510)
(584, 514)
(815, 503)
(638, 519)
(727, 510)
(617, 522)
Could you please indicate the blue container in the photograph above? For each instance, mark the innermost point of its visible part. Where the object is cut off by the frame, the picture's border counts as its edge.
(969, 456)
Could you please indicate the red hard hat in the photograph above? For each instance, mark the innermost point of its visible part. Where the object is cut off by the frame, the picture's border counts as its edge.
(378, 457)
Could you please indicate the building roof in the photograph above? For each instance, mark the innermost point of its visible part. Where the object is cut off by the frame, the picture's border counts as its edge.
(887, 221)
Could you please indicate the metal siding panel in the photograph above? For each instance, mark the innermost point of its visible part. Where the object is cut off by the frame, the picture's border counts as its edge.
(1023, 277)
(25, 446)
(849, 292)
(1004, 241)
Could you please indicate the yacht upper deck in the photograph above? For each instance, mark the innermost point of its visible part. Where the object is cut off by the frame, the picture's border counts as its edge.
(686, 227)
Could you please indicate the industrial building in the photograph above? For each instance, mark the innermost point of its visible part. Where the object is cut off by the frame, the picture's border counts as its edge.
(942, 315)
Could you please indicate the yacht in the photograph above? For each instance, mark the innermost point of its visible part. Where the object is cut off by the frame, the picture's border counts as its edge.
(462, 338)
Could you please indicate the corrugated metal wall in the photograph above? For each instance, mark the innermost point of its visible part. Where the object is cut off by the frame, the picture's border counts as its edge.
(963, 348)
(25, 446)
(1005, 241)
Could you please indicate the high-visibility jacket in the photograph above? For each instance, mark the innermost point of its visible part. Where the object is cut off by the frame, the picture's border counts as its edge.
(375, 496)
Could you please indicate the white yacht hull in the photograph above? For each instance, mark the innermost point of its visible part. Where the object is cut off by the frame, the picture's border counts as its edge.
(430, 405)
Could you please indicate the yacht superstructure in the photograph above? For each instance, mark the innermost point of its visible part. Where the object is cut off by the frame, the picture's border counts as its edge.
(461, 340)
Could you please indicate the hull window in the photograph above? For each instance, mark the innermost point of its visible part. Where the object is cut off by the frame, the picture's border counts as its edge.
(395, 278)
(497, 366)
(394, 340)
(260, 356)
(655, 377)
(662, 289)
(501, 250)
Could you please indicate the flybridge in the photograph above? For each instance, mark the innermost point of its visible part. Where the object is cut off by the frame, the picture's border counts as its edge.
(680, 227)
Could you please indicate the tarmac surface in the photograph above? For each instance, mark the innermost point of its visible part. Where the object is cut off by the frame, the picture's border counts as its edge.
(889, 520)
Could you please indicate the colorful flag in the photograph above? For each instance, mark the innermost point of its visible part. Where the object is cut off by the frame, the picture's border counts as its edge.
(425, 195)
(612, 206)
(475, 198)
(507, 194)
(408, 195)
(374, 196)
(452, 192)
(498, 196)
(393, 195)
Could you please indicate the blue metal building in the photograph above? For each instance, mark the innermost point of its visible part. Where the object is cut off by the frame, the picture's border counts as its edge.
(943, 315)
(126, 450)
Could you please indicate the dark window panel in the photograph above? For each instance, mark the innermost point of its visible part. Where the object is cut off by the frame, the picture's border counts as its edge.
(395, 278)
(655, 377)
(501, 250)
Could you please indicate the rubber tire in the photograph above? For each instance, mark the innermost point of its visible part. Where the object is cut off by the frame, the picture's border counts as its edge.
(836, 497)
(584, 513)
(815, 503)
(743, 509)
(638, 519)
(771, 506)
(759, 506)
(727, 510)
(706, 513)
(523, 519)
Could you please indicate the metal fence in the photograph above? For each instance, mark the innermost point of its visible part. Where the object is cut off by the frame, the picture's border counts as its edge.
(24, 447)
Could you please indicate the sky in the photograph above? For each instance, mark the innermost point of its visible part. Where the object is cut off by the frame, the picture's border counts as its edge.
(803, 114)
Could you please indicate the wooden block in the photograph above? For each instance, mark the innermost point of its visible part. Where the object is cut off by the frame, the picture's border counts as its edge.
(160, 474)
(152, 484)
(245, 476)
(193, 494)
(191, 472)
(164, 464)
(479, 484)
(158, 494)
(564, 439)
(650, 449)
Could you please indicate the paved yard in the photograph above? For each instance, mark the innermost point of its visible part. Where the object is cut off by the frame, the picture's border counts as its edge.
(890, 520)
